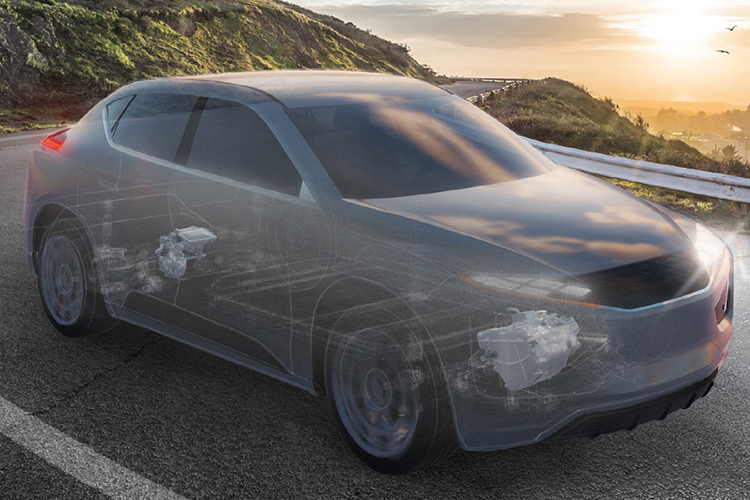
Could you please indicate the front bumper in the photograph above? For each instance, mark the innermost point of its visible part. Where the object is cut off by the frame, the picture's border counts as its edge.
(634, 366)
(595, 424)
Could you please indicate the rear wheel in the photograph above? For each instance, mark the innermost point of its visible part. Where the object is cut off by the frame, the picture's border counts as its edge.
(387, 395)
(68, 282)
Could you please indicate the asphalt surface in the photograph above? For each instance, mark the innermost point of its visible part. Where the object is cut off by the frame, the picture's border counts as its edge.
(470, 89)
(200, 427)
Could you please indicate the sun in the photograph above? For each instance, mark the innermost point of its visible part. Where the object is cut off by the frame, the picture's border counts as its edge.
(675, 31)
(676, 26)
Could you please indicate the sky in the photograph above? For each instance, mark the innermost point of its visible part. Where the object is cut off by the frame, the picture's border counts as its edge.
(664, 50)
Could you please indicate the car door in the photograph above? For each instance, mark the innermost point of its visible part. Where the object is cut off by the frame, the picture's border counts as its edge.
(132, 192)
(240, 193)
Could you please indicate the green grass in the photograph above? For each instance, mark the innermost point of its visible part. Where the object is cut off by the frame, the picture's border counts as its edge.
(710, 211)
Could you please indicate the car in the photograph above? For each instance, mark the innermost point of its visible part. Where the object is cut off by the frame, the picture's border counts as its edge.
(376, 239)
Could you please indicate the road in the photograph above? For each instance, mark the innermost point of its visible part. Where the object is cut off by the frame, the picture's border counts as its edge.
(133, 406)
(466, 88)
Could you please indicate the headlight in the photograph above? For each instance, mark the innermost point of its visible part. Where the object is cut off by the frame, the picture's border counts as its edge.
(708, 246)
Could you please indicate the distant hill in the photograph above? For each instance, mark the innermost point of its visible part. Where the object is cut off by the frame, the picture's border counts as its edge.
(57, 58)
(560, 112)
(651, 107)
(713, 118)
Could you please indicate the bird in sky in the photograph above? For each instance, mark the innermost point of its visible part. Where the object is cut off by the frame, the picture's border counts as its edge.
(723, 51)
(732, 28)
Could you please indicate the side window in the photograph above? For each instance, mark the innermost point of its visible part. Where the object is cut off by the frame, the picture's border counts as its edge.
(233, 141)
(153, 124)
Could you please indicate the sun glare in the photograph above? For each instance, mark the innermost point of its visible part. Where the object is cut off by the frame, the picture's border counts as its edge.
(676, 31)
(676, 27)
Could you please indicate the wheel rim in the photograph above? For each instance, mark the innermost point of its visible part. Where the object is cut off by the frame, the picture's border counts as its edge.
(375, 393)
(62, 280)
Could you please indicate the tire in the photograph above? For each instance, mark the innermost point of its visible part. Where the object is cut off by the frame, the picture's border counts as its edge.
(69, 282)
(386, 393)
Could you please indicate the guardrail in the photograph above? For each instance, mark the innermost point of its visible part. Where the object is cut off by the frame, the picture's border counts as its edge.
(722, 186)
(492, 80)
(511, 83)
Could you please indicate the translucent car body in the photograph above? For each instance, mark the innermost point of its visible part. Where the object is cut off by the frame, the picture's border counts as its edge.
(283, 220)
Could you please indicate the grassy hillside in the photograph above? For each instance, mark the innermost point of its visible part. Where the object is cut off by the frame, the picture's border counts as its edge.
(560, 112)
(57, 58)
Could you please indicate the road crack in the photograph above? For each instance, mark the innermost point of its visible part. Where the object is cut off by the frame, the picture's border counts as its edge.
(83, 386)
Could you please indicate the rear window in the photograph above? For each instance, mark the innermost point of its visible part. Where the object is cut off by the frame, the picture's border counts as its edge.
(380, 148)
(153, 124)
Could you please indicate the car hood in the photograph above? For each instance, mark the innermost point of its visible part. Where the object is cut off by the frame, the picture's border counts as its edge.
(567, 220)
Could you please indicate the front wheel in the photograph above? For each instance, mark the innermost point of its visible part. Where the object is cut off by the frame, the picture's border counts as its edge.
(68, 282)
(387, 396)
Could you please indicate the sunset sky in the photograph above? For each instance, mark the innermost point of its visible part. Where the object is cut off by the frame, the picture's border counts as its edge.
(629, 49)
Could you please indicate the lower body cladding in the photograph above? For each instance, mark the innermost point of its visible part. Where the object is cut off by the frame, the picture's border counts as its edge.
(577, 371)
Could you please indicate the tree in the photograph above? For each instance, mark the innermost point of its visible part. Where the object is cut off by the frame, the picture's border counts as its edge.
(638, 120)
(729, 153)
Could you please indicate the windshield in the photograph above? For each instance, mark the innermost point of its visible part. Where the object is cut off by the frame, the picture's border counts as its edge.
(376, 148)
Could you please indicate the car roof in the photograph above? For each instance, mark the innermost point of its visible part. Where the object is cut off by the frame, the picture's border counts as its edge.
(305, 88)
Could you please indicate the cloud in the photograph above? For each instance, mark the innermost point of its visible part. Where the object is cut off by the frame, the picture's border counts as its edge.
(491, 29)
(633, 49)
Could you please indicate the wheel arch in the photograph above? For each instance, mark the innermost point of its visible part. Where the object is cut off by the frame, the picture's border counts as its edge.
(93, 314)
(436, 437)
(343, 296)
(46, 216)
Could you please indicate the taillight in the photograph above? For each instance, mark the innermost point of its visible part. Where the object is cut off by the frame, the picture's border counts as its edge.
(56, 140)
